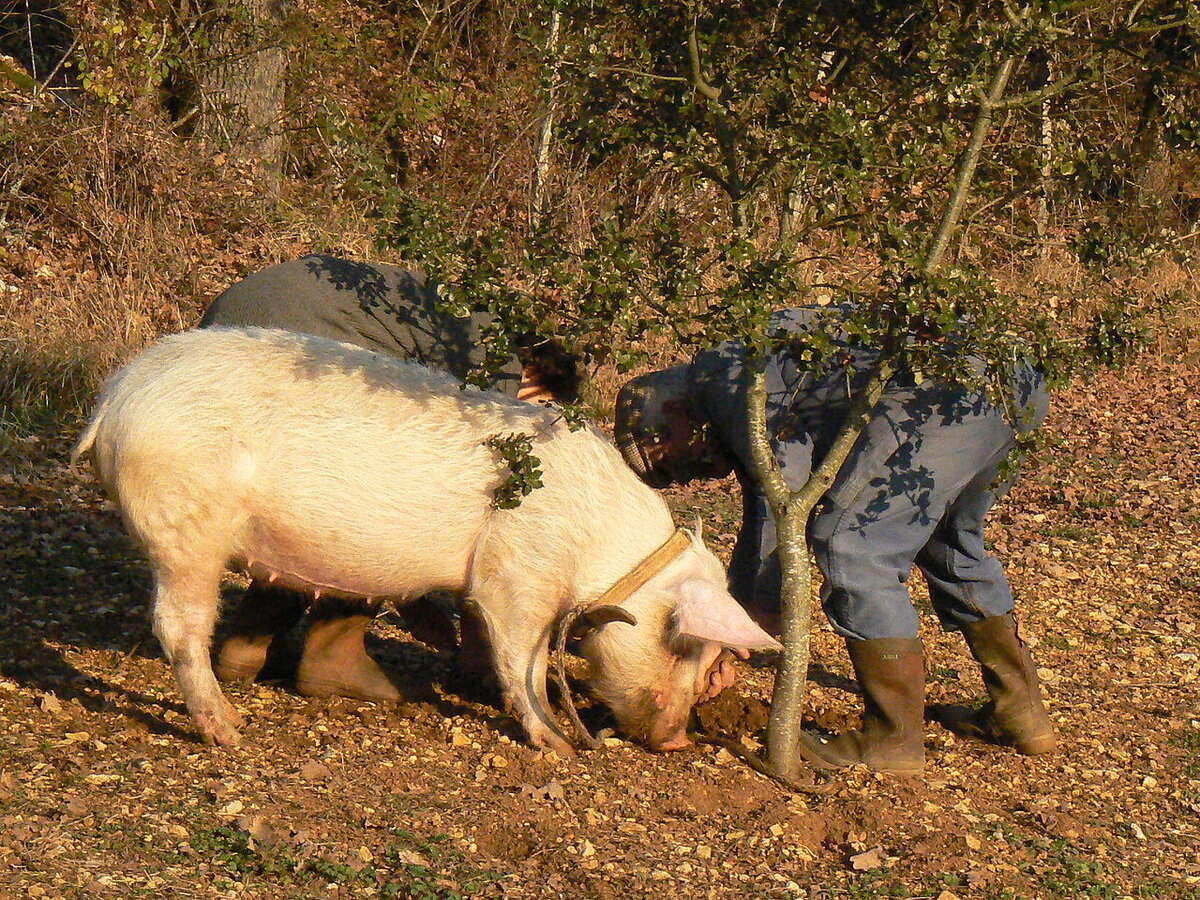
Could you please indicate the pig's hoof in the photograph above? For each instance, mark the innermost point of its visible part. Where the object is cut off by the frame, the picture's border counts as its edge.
(234, 718)
(217, 732)
(548, 740)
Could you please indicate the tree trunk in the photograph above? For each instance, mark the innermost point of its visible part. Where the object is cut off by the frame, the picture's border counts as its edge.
(792, 510)
(241, 84)
(542, 173)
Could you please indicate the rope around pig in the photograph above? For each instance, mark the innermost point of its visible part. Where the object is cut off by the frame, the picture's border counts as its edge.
(560, 675)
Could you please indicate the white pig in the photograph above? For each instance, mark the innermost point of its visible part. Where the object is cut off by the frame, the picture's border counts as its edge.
(333, 469)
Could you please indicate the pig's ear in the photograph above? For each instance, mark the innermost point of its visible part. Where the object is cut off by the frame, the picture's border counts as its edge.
(707, 613)
(698, 531)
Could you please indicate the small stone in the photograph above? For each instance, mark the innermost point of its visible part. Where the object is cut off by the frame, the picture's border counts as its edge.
(232, 808)
(50, 704)
(868, 859)
(458, 739)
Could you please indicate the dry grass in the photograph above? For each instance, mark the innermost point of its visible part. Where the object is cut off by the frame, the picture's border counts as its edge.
(115, 232)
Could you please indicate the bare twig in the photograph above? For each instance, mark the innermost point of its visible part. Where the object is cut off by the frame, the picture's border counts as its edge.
(624, 70)
(32, 55)
(57, 66)
(1028, 98)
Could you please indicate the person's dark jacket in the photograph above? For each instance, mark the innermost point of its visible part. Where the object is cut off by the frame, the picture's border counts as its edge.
(376, 306)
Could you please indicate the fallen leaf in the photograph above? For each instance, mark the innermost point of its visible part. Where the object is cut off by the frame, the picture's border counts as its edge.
(315, 771)
(260, 829)
(413, 858)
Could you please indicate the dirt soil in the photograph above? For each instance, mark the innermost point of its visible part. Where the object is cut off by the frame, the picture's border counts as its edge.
(106, 792)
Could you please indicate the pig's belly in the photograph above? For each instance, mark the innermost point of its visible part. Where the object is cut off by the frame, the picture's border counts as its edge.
(333, 562)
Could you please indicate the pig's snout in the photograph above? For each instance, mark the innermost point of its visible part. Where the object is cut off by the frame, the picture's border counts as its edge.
(678, 741)
(669, 732)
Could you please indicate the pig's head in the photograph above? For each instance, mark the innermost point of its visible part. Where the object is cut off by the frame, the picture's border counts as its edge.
(651, 673)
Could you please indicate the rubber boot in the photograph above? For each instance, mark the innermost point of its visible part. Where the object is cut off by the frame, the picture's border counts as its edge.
(334, 660)
(258, 625)
(1015, 715)
(891, 674)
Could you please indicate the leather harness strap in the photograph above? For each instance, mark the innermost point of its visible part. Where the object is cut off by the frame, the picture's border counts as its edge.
(645, 570)
(610, 599)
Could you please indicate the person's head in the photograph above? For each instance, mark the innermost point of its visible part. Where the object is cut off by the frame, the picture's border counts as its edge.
(548, 371)
(661, 434)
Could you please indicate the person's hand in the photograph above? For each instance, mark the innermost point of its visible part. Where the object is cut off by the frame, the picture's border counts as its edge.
(721, 673)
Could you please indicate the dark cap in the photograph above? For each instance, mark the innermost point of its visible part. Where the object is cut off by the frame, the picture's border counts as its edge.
(641, 419)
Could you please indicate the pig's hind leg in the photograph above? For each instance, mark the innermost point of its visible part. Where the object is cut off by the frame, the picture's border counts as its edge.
(520, 649)
(186, 603)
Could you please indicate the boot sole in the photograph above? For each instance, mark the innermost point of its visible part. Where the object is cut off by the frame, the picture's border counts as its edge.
(321, 690)
(814, 759)
(1035, 746)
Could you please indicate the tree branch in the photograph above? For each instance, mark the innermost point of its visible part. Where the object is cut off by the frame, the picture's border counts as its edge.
(699, 82)
(627, 71)
(542, 169)
(967, 164)
(1028, 98)
(861, 409)
(766, 466)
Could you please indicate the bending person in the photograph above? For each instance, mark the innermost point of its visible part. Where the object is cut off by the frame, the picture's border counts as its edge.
(394, 311)
(915, 489)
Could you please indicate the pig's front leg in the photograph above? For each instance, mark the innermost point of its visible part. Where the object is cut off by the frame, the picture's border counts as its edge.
(521, 649)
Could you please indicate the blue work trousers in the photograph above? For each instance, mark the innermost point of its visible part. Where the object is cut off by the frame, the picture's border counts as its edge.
(915, 489)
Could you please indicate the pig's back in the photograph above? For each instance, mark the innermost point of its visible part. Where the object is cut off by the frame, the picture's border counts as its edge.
(330, 463)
